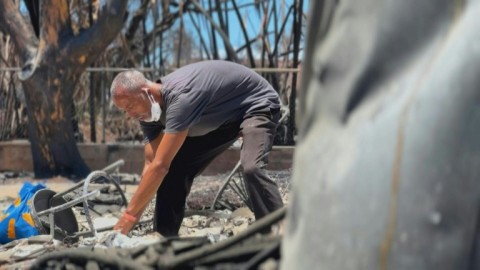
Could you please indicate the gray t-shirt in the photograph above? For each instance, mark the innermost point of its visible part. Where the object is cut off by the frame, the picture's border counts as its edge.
(205, 95)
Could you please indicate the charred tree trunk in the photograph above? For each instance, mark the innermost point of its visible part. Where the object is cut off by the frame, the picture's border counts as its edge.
(51, 66)
(50, 115)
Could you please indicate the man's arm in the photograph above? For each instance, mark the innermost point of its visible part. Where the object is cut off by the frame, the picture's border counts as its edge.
(150, 150)
(152, 178)
(149, 154)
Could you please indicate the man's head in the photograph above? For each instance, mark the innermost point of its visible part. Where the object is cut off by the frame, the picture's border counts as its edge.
(136, 95)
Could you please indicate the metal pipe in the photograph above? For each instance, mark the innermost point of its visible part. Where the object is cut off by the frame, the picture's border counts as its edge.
(114, 166)
(107, 228)
(77, 185)
(68, 204)
(104, 113)
(91, 176)
(51, 219)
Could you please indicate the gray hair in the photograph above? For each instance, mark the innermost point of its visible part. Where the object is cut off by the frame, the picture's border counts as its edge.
(128, 83)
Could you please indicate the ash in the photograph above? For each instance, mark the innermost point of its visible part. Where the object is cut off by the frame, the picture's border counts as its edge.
(201, 221)
(219, 223)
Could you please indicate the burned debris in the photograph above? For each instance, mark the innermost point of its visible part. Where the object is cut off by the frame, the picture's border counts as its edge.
(248, 250)
(76, 229)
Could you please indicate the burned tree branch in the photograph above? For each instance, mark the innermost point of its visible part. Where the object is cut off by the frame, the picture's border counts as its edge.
(202, 40)
(55, 26)
(245, 35)
(282, 28)
(55, 23)
(228, 45)
(136, 20)
(12, 23)
(99, 35)
(213, 39)
(165, 24)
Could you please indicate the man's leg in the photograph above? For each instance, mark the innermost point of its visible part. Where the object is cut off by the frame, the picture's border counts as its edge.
(258, 133)
(194, 155)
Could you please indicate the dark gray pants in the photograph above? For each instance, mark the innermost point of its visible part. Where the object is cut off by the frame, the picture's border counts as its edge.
(197, 152)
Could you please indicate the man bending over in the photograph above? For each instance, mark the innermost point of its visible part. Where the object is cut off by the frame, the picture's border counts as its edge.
(188, 118)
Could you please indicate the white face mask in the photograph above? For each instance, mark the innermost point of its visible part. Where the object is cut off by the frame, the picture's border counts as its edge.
(156, 111)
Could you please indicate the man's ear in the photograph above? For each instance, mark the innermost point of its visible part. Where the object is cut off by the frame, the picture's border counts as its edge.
(146, 91)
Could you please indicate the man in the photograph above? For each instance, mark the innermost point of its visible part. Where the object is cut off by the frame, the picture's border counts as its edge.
(188, 118)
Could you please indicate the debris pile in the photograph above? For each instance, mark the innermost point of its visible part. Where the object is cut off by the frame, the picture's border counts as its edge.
(248, 250)
(201, 228)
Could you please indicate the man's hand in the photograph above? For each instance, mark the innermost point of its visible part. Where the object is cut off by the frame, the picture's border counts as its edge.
(125, 223)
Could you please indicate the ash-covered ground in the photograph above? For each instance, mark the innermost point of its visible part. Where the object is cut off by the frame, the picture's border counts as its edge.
(200, 220)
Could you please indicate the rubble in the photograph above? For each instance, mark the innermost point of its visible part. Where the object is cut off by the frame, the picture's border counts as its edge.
(201, 226)
(6, 175)
(114, 239)
(29, 248)
(248, 248)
